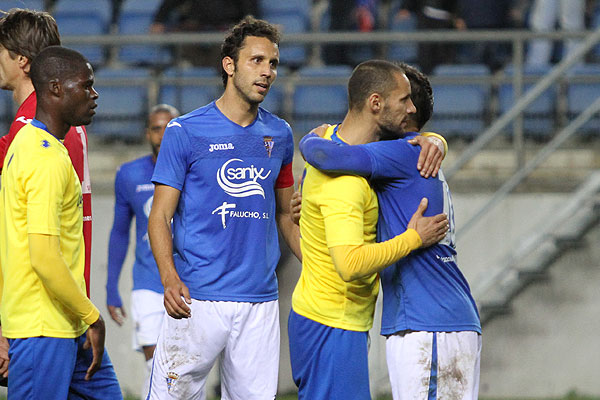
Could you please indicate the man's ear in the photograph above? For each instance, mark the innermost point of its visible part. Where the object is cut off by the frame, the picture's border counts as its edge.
(228, 65)
(375, 103)
(55, 87)
(24, 63)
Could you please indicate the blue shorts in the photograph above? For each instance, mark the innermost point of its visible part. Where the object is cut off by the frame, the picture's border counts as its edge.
(328, 363)
(54, 368)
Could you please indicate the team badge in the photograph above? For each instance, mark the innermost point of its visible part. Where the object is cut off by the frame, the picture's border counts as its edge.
(269, 143)
(171, 378)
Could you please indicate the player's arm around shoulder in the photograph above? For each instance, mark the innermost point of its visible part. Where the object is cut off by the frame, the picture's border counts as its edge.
(164, 204)
(434, 149)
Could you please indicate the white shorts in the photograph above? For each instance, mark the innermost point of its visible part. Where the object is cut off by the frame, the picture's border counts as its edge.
(147, 312)
(245, 336)
(410, 356)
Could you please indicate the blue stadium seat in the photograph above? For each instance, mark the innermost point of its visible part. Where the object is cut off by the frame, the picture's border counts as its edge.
(6, 5)
(581, 94)
(269, 8)
(292, 55)
(189, 97)
(122, 107)
(135, 19)
(79, 18)
(538, 118)
(405, 51)
(315, 104)
(460, 109)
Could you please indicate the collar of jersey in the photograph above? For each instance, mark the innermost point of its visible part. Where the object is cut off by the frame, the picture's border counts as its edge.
(335, 137)
(42, 126)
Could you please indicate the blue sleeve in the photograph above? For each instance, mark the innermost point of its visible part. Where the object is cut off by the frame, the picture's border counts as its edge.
(392, 159)
(289, 150)
(330, 156)
(172, 161)
(119, 240)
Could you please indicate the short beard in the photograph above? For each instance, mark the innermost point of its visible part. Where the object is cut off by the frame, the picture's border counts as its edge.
(388, 134)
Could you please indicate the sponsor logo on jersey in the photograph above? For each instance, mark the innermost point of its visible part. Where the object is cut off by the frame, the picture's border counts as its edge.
(269, 143)
(147, 187)
(173, 123)
(45, 143)
(171, 379)
(148, 206)
(241, 181)
(23, 120)
(220, 146)
(228, 210)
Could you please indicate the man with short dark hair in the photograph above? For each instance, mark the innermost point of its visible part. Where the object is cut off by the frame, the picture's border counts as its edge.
(334, 300)
(224, 177)
(45, 310)
(430, 318)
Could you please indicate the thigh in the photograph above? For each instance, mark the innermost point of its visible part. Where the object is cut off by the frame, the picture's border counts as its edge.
(250, 362)
(104, 383)
(147, 312)
(187, 349)
(409, 358)
(459, 355)
(41, 368)
(328, 363)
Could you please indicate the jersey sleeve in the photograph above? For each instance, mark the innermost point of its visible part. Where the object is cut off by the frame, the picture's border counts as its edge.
(172, 161)
(329, 156)
(119, 240)
(343, 215)
(392, 159)
(286, 175)
(45, 183)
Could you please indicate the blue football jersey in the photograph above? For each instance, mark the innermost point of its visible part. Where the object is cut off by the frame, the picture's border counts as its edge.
(424, 291)
(134, 192)
(224, 230)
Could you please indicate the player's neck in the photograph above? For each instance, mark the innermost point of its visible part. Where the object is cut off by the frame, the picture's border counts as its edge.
(355, 129)
(237, 109)
(56, 127)
(22, 91)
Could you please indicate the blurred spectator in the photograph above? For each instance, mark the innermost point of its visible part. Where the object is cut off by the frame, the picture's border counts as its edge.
(345, 15)
(486, 14)
(434, 14)
(544, 15)
(201, 16)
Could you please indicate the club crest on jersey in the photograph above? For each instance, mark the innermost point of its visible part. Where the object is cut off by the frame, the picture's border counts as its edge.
(45, 143)
(171, 378)
(228, 177)
(269, 143)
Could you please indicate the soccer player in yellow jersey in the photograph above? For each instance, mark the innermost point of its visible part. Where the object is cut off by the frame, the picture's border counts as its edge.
(334, 300)
(44, 305)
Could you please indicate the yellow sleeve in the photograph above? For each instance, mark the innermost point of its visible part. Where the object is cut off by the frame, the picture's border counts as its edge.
(354, 262)
(439, 137)
(48, 264)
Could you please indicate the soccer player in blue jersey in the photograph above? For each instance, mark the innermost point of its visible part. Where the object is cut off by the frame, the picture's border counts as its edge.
(429, 317)
(224, 177)
(134, 192)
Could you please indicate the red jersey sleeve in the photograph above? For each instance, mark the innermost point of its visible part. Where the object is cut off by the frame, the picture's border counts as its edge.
(285, 178)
